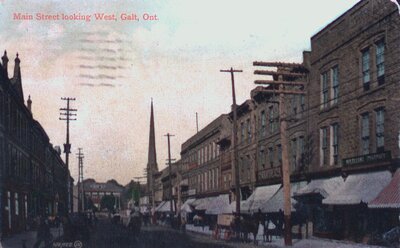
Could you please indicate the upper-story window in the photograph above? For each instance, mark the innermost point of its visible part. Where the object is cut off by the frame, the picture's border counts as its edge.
(302, 103)
(261, 158)
(263, 123)
(271, 156)
(324, 145)
(365, 68)
(324, 90)
(293, 153)
(335, 84)
(242, 132)
(335, 143)
(365, 133)
(272, 120)
(380, 130)
(380, 61)
(248, 131)
(279, 148)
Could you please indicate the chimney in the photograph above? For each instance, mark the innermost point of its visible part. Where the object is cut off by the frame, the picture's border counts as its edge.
(17, 70)
(5, 62)
(29, 103)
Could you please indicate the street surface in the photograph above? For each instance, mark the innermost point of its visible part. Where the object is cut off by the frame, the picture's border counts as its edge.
(110, 235)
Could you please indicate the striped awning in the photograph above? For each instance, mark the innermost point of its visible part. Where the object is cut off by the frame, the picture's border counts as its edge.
(389, 197)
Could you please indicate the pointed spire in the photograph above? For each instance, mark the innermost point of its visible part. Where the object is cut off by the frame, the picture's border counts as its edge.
(16, 80)
(152, 156)
(29, 102)
(152, 166)
(17, 69)
(5, 62)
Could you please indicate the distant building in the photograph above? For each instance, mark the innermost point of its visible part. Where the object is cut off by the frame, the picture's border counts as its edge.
(95, 191)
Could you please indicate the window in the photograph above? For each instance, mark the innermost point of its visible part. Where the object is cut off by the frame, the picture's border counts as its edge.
(261, 157)
(324, 90)
(271, 120)
(335, 143)
(271, 156)
(9, 208)
(324, 145)
(16, 203)
(380, 130)
(335, 84)
(365, 68)
(293, 153)
(248, 131)
(263, 123)
(242, 130)
(301, 148)
(302, 103)
(380, 61)
(279, 148)
(365, 133)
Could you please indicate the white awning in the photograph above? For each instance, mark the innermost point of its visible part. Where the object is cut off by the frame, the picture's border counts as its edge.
(276, 202)
(202, 203)
(259, 197)
(167, 207)
(218, 205)
(186, 207)
(359, 188)
(324, 187)
(159, 206)
(232, 207)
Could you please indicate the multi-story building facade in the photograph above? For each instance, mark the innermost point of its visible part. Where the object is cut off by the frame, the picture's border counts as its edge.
(204, 157)
(353, 108)
(33, 176)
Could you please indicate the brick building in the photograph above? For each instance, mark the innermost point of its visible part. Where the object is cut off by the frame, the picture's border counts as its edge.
(201, 158)
(33, 176)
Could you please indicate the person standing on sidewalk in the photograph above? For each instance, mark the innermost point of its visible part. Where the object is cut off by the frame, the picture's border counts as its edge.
(43, 234)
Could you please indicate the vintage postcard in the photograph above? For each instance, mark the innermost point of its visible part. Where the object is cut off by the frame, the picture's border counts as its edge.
(184, 123)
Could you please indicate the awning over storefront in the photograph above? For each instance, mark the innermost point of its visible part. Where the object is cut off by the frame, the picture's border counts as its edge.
(359, 188)
(259, 197)
(218, 205)
(186, 207)
(166, 206)
(276, 202)
(232, 208)
(324, 187)
(389, 197)
(202, 203)
(159, 206)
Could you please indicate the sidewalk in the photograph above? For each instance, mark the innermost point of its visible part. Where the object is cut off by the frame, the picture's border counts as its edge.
(15, 241)
(204, 234)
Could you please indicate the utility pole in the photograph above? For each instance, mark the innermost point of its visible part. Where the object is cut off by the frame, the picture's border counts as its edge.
(286, 74)
(80, 157)
(235, 152)
(67, 114)
(170, 170)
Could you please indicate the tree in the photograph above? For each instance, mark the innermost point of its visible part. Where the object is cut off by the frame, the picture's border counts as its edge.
(108, 202)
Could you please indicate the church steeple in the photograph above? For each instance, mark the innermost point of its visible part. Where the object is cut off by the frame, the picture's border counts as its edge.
(152, 166)
(152, 156)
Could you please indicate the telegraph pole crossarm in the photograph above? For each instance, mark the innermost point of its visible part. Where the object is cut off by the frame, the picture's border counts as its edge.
(235, 152)
(284, 76)
(68, 114)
